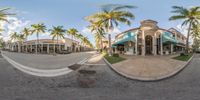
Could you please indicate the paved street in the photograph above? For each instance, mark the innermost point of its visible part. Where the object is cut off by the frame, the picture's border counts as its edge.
(15, 85)
(48, 61)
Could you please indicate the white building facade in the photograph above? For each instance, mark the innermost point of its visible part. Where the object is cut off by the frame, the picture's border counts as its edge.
(149, 39)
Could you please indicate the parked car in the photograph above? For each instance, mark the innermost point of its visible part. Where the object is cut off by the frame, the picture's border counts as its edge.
(64, 52)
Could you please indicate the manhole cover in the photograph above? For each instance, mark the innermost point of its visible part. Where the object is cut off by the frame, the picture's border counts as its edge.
(75, 66)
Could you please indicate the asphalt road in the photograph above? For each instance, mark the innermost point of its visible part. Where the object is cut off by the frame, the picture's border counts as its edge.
(15, 85)
(41, 61)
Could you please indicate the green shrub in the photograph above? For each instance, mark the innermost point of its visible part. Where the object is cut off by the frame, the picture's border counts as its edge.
(182, 54)
(116, 55)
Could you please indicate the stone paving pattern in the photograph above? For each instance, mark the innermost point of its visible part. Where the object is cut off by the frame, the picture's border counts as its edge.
(148, 66)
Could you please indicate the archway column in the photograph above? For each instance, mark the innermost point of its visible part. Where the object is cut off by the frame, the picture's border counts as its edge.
(161, 45)
(48, 48)
(172, 48)
(136, 45)
(143, 43)
(31, 48)
(154, 45)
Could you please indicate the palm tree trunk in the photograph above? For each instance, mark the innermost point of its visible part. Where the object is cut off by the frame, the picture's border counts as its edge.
(58, 45)
(109, 42)
(37, 43)
(101, 44)
(109, 36)
(54, 48)
(188, 36)
(72, 44)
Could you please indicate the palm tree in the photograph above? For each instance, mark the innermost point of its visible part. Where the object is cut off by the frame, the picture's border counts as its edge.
(1, 43)
(85, 40)
(38, 29)
(17, 38)
(79, 36)
(73, 32)
(26, 32)
(57, 32)
(99, 32)
(111, 16)
(195, 33)
(4, 14)
(1, 30)
(14, 36)
(189, 17)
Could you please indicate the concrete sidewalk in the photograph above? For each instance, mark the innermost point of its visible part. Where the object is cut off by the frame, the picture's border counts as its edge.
(149, 67)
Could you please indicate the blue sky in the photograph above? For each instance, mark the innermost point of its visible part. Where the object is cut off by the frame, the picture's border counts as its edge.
(70, 13)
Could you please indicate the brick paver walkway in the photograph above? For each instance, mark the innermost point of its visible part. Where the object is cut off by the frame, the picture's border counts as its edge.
(148, 66)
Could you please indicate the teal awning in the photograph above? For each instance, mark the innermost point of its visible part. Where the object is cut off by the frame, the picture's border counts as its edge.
(168, 37)
(130, 36)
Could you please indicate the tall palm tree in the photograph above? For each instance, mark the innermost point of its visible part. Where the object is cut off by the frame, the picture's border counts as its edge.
(189, 17)
(26, 32)
(195, 33)
(14, 36)
(1, 43)
(57, 32)
(38, 29)
(99, 32)
(4, 14)
(79, 36)
(1, 30)
(19, 38)
(85, 40)
(73, 32)
(111, 16)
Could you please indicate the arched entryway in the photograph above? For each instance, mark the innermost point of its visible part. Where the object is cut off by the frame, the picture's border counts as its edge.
(148, 44)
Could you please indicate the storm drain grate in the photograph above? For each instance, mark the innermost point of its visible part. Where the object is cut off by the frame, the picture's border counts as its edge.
(75, 66)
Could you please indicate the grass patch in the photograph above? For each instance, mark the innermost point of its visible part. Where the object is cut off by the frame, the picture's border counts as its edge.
(183, 57)
(112, 59)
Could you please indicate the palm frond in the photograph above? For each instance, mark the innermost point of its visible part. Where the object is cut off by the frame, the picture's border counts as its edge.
(177, 17)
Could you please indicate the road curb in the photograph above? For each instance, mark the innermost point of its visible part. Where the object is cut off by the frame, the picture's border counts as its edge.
(159, 78)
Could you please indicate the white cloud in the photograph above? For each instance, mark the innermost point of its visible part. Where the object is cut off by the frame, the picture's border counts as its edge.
(85, 30)
(15, 25)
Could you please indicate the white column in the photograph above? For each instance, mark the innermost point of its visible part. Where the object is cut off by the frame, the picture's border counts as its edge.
(161, 45)
(48, 48)
(26, 48)
(136, 46)
(143, 43)
(42, 47)
(155, 45)
(31, 48)
(19, 47)
(172, 48)
(59, 47)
